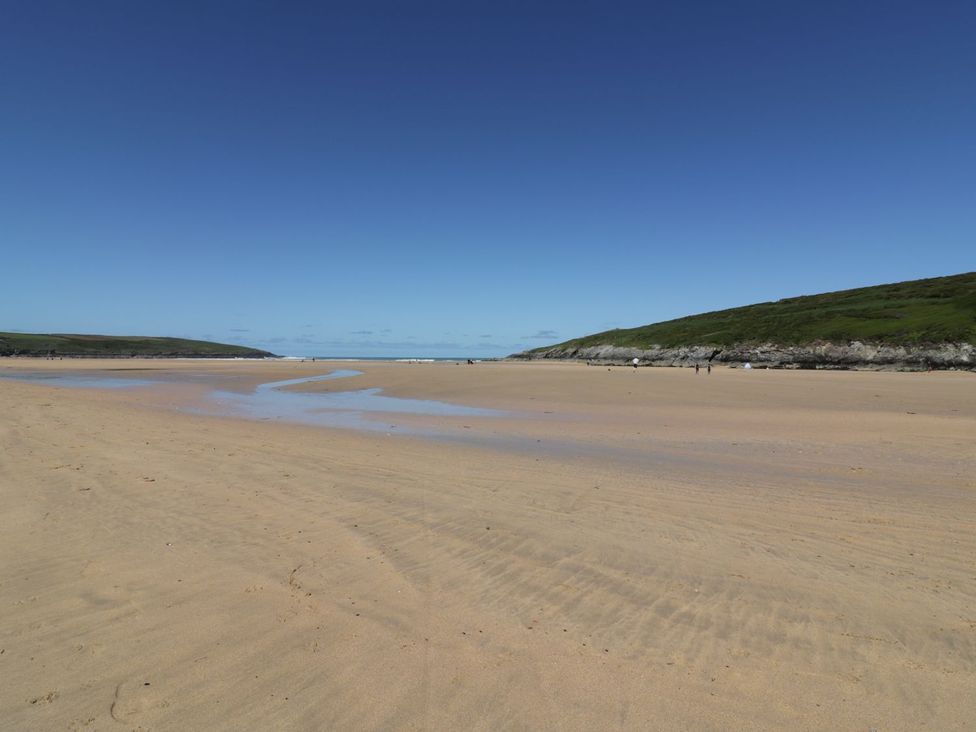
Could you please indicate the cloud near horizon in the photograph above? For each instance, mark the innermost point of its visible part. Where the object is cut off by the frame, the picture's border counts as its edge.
(543, 335)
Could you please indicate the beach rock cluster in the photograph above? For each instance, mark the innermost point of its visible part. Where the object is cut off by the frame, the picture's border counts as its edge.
(818, 355)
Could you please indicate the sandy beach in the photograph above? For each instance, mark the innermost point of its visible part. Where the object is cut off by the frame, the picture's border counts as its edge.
(644, 549)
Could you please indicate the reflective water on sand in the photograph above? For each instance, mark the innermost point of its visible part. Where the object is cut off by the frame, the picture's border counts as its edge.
(274, 401)
(337, 409)
(78, 381)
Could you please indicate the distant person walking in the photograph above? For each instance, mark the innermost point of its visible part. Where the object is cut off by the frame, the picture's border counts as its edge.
(696, 369)
(709, 367)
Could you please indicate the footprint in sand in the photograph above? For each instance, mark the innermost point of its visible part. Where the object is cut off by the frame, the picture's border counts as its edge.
(133, 698)
(45, 699)
(92, 568)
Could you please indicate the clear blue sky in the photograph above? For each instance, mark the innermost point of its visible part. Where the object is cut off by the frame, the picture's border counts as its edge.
(412, 178)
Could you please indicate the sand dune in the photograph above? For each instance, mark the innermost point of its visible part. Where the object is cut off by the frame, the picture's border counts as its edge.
(627, 549)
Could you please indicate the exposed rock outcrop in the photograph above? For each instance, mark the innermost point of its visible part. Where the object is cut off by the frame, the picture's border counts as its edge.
(821, 355)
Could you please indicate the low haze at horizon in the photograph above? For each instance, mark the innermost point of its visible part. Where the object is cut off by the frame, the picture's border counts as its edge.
(452, 181)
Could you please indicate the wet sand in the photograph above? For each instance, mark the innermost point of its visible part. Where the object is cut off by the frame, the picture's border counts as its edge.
(626, 549)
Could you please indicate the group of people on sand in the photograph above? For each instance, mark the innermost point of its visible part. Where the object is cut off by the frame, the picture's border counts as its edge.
(636, 361)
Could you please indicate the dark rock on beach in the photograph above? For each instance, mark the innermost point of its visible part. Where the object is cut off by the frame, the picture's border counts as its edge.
(821, 355)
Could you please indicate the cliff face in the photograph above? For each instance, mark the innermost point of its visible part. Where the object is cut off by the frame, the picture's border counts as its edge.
(821, 355)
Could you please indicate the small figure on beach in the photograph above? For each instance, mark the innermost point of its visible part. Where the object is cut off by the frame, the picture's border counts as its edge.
(696, 369)
(636, 361)
(708, 368)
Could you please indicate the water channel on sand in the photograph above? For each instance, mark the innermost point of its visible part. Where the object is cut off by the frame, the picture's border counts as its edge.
(277, 401)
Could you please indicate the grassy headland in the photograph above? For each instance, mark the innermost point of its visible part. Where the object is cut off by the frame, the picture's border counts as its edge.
(100, 346)
(917, 312)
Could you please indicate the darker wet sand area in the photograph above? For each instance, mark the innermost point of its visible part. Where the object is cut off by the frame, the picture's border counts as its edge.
(624, 549)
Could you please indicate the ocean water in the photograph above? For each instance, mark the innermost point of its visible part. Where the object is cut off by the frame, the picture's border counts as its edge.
(393, 359)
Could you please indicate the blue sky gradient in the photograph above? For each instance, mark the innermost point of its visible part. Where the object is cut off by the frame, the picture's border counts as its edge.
(424, 179)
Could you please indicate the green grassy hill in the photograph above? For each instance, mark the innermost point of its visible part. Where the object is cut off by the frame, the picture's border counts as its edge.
(31, 344)
(918, 312)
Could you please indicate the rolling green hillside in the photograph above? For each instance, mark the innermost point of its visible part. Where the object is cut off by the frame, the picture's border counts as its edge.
(937, 310)
(30, 344)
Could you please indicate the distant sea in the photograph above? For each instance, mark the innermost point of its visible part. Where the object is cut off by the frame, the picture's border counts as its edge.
(402, 359)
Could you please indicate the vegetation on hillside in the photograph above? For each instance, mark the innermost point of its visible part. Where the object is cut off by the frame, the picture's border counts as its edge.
(937, 310)
(57, 344)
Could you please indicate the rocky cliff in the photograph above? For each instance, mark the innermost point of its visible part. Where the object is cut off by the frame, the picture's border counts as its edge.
(821, 355)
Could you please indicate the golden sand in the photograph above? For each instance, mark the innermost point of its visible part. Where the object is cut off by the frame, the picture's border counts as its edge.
(628, 549)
